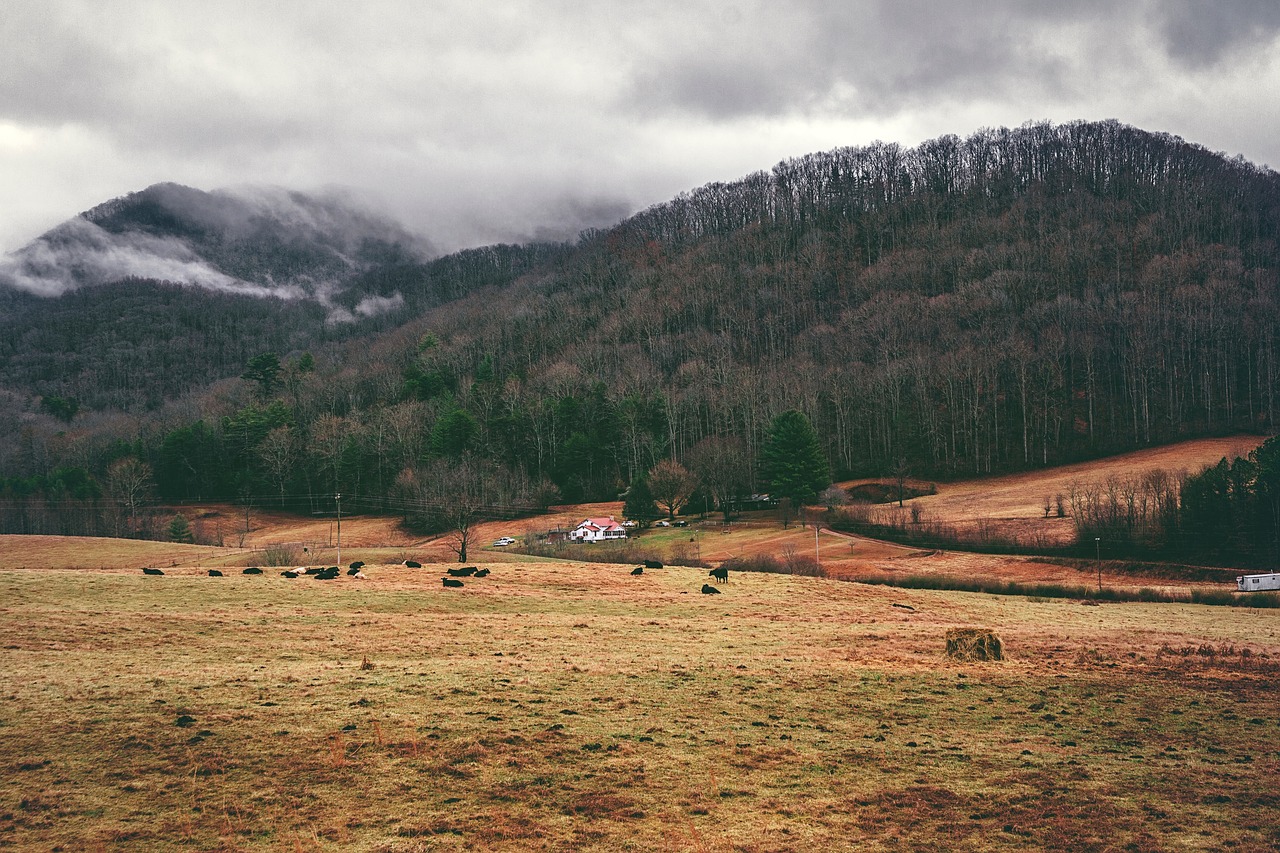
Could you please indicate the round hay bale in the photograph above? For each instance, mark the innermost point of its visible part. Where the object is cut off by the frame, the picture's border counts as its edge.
(967, 644)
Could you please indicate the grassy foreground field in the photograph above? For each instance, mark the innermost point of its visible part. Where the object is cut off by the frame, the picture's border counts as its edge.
(565, 706)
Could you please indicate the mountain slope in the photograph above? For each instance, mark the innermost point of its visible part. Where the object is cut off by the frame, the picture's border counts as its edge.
(255, 241)
(1011, 300)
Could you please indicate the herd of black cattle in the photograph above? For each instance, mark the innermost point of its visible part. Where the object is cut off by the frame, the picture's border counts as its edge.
(454, 578)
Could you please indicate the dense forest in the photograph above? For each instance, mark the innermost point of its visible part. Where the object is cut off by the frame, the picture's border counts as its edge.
(1013, 299)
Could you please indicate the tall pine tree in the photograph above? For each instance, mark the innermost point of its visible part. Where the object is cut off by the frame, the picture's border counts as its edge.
(791, 461)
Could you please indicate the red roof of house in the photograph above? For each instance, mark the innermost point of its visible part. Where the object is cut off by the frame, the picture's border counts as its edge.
(601, 523)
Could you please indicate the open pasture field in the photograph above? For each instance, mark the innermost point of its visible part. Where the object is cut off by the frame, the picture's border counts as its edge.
(571, 706)
(1013, 504)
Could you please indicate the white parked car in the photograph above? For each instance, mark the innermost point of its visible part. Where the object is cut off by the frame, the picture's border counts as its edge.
(504, 541)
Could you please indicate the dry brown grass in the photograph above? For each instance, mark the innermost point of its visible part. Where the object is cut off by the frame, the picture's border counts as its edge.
(1013, 504)
(570, 706)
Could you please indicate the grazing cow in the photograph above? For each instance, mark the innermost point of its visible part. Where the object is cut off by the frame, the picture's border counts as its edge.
(638, 570)
(252, 570)
(413, 564)
(214, 573)
(708, 589)
(152, 572)
(289, 573)
(652, 564)
(358, 564)
(481, 573)
(721, 574)
(451, 581)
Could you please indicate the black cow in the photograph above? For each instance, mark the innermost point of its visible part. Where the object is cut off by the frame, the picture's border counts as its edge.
(721, 574)
(252, 570)
(354, 570)
(413, 564)
(214, 573)
(652, 564)
(638, 570)
(462, 573)
(708, 589)
(152, 572)
(481, 573)
(327, 574)
(312, 570)
(289, 573)
(451, 581)
(358, 564)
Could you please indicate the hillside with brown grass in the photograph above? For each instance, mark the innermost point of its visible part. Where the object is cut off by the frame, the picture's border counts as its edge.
(1014, 504)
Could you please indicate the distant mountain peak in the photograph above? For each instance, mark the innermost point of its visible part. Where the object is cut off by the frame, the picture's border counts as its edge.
(256, 240)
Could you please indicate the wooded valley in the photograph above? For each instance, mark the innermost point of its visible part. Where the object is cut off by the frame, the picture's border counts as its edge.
(1013, 299)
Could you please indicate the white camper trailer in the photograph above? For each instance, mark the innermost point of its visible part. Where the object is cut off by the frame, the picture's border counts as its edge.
(1256, 583)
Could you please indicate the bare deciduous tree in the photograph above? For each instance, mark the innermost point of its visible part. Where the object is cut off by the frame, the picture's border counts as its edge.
(671, 485)
(129, 482)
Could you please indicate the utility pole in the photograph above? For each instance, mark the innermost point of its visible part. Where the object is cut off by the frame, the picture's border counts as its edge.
(817, 559)
(337, 499)
(1097, 545)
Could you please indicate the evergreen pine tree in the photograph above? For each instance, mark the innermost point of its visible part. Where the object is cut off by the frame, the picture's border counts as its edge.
(180, 530)
(791, 461)
(639, 503)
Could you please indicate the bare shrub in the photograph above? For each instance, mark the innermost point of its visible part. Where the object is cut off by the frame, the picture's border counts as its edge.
(755, 563)
(281, 554)
(790, 564)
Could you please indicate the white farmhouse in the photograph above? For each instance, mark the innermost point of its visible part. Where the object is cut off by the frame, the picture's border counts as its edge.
(597, 530)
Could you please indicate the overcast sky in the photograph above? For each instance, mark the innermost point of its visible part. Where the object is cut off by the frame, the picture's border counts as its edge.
(479, 121)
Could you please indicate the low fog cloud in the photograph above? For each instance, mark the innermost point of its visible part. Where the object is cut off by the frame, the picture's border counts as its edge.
(79, 252)
(479, 122)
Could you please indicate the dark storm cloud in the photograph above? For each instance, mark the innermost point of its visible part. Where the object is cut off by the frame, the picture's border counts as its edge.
(1199, 34)
(879, 57)
(476, 121)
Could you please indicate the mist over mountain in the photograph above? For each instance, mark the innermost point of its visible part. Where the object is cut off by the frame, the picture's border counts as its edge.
(251, 241)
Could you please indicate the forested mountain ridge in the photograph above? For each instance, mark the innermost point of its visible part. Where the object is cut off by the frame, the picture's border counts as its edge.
(1017, 298)
(1012, 299)
(150, 295)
